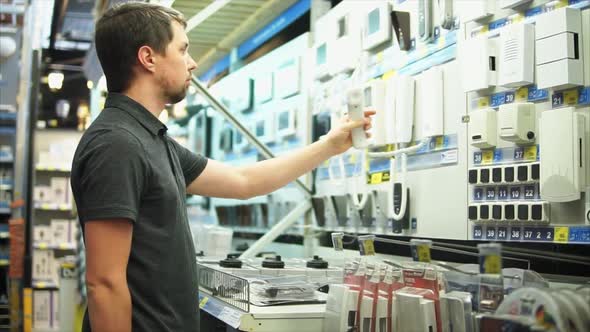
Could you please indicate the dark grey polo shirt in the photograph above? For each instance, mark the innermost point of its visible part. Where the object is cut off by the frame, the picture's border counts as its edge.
(127, 167)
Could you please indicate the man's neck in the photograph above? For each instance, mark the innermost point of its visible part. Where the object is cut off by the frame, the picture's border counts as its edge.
(147, 98)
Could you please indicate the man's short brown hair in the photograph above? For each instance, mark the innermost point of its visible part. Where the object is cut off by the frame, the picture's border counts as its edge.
(123, 29)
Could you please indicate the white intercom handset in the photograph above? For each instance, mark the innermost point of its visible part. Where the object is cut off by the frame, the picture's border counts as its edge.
(354, 100)
(425, 19)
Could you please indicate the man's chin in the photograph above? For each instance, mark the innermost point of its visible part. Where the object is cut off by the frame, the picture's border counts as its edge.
(173, 99)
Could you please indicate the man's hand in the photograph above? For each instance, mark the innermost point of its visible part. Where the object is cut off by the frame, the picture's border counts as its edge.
(340, 137)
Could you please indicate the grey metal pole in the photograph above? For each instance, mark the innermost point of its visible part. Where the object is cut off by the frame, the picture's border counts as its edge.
(262, 148)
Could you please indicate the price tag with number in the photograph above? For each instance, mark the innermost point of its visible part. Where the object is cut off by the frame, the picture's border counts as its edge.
(337, 241)
(515, 234)
(518, 154)
(376, 178)
(502, 233)
(203, 302)
(528, 234)
(529, 192)
(491, 233)
(477, 158)
(561, 234)
(509, 97)
(557, 99)
(522, 94)
(515, 193)
(503, 193)
(491, 194)
(478, 194)
(477, 232)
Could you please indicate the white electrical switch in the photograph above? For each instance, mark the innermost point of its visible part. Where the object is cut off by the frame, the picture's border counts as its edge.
(478, 57)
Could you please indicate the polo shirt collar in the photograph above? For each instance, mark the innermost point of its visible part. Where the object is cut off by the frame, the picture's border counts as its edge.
(136, 110)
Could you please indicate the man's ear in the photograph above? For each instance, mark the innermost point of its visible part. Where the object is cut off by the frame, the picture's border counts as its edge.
(146, 57)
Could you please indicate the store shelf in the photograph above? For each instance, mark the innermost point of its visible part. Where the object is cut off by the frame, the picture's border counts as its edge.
(5, 210)
(53, 207)
(7, 131)
(4, 262)
(4, 235)
(285, 318)
(6, 187)
(53, 168)
(6, 160)
(48, 246)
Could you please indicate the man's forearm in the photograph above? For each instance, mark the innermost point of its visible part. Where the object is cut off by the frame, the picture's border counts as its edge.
(269, 175)
(109, 308)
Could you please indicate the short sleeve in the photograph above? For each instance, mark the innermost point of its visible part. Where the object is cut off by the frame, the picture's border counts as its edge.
(192, 164)
(109, 177)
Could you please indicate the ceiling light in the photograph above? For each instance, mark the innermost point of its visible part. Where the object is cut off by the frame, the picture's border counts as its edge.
(55, 80)
(205, 13)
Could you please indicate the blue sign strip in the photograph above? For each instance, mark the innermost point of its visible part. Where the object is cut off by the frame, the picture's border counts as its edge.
(273, 28)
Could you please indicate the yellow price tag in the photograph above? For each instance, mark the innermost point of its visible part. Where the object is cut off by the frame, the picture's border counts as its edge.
(388, 75)
(522, 94)
(440, 140)
(369, 248)
(379, 57)
(483, 102)
(386, 176)
(487, 157)
(562, 3)
(492, 264)
(423, 253)
(41, 284)
(441, 41)
(46, 206)
(561, 234)
(376, 178)
(530, 152)
(570, 97)
(43, 245)
(203, 302)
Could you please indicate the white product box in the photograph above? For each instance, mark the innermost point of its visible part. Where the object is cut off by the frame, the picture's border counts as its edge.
(42, 264)
(42, 309)
(61, 231)
(55, 310)
(558, 21)
(42, 233)
(554, 48)
(61, 190)
(560, 74)
(42, 194)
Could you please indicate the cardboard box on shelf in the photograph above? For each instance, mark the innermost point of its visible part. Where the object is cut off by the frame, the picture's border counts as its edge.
(42, 233)
(43, 194)
(42, 309)
(60, 188)
(61, 230)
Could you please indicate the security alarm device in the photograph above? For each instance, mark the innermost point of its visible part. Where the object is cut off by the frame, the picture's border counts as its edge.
(377, 25)
(432, 106)
(517, 49)
(323, 35)
(563, 154)
(516, 122)
(559, 52)
(354, 98)
(287, 78)
(263, 88)
(347, 46)
(404, 108)
(374, 99)
(479, 70)
(482, 128)
(425, 20)
(401, 28)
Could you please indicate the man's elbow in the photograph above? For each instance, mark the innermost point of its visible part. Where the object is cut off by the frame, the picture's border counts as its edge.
(104, 284)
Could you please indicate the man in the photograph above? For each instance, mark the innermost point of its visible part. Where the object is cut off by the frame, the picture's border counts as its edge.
(130, 179)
